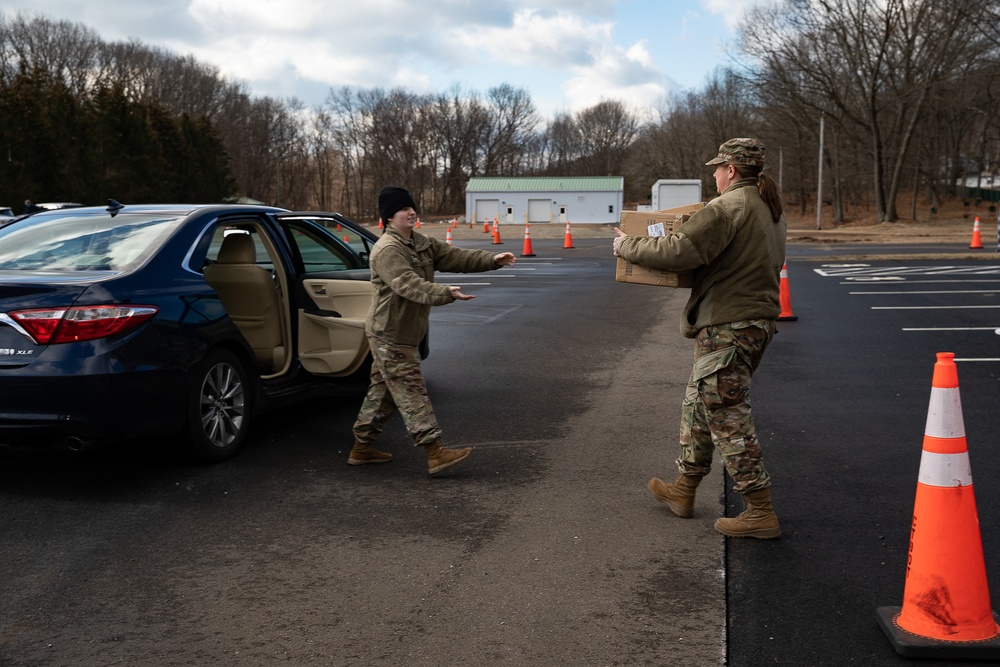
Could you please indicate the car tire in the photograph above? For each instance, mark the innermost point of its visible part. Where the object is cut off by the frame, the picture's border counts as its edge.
(219, 406)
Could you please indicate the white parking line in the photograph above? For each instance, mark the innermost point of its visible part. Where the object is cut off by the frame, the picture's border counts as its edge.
(970, 291)
(951, 329)
(930, 307)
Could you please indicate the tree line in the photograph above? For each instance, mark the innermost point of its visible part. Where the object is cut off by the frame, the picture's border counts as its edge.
(903, 89)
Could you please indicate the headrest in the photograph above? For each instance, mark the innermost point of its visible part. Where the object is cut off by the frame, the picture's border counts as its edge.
(237, 248)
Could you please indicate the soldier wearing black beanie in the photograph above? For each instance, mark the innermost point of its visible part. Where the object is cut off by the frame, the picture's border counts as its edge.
(392, 199)
(403, 264)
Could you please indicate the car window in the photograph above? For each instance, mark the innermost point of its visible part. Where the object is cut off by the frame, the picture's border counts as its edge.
(325, 251)
(263, 257)
(83, 243)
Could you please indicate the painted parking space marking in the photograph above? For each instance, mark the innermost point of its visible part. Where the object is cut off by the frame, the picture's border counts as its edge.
(834, 270)
(897, 281)
(934, 307)
(969, 291)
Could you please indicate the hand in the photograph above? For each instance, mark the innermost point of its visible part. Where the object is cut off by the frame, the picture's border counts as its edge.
(456, 292)
(618, 241)
(504, 259)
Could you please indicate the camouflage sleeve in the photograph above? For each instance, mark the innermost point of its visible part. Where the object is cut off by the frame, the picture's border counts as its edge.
(392, 265)
(673, 252)
(700, 240)
(450, 259)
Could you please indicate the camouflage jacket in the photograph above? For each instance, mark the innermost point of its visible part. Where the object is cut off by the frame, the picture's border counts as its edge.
(736, 252)
(404, 287)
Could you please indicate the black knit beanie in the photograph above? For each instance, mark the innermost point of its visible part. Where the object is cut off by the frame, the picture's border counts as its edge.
(392, 199)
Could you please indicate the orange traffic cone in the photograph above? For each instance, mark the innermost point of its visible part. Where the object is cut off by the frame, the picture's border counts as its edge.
(977, 241)
(496, 233)
(380, 223)
(486, 226)
(568, 242)
(946, 609)
(417, 226)
(527, 251)
(448, 239)
(785, 297)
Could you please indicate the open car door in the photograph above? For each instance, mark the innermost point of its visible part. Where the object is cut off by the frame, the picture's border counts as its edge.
(333, 292)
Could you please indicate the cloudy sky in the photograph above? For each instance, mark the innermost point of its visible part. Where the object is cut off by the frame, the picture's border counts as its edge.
(568, 54)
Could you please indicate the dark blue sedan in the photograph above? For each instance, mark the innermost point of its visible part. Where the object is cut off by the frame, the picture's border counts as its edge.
(132, 321)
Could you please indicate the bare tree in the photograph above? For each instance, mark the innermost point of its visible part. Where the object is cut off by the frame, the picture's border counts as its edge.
(67, 51)
(510, 128)
(606, 131)
(870, 64)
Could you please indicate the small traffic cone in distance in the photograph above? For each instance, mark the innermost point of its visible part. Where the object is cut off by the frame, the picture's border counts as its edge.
(977, 240)
(785, 297)
(417, 226)
(486, 226)
(946, 609)
(380, 224)
(527, 251)
(496, 233)
(448, 239)
(568, 239)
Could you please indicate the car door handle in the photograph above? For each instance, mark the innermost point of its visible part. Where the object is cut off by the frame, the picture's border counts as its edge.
(319, 289)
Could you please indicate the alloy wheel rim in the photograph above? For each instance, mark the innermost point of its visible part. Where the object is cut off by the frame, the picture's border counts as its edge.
(222, 405)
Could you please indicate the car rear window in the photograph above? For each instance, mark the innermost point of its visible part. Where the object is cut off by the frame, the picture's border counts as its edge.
(83, 243)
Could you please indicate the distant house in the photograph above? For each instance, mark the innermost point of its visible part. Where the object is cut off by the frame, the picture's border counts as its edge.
(544, 199)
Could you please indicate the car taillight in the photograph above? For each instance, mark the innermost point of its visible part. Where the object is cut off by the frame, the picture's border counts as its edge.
(69, 325)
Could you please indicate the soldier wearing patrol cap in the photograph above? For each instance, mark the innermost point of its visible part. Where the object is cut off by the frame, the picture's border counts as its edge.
(736, 246)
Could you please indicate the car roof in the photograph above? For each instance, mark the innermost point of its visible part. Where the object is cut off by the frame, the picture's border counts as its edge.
(156, 208)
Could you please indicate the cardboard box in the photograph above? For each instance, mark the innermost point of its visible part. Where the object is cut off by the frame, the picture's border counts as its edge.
(654, 223)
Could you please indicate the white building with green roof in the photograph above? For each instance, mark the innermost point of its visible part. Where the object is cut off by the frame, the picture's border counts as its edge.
(544, 199)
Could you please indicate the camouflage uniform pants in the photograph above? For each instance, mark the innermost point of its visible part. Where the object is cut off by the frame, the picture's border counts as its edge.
(396, 383)
(716, 413)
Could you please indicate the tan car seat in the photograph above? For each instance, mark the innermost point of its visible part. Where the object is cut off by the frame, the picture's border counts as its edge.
(250, 296)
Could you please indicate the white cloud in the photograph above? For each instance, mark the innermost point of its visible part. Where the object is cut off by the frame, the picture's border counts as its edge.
(566, 53)
(731, 11)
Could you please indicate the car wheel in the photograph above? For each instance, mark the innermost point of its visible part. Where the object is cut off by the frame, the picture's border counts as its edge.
(218, 407)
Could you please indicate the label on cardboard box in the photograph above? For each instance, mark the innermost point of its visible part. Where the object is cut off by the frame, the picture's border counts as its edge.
(654, 223)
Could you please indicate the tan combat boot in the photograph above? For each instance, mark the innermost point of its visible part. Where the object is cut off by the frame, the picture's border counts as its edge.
(362, 454)
(439, 457)
(758, 520)
(679, 496)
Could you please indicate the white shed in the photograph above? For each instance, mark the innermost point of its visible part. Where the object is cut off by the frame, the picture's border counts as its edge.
(543, 199)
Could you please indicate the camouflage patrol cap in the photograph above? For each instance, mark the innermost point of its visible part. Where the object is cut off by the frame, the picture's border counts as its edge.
(740, 151)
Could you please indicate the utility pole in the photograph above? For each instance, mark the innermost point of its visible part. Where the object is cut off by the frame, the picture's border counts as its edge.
(819, 178)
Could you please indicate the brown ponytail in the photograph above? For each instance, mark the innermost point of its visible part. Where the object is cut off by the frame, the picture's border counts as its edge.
(767, 188)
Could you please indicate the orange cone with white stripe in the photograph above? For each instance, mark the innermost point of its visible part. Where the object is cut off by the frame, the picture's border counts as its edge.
(946, 609)
(527, 251)
(568, 239)
(496, 232)
(486, 226)
(448, 239)
(785, 297)
(977, 239)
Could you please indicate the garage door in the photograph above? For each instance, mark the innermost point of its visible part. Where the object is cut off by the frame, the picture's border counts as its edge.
(539, 210)
(487, 209)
